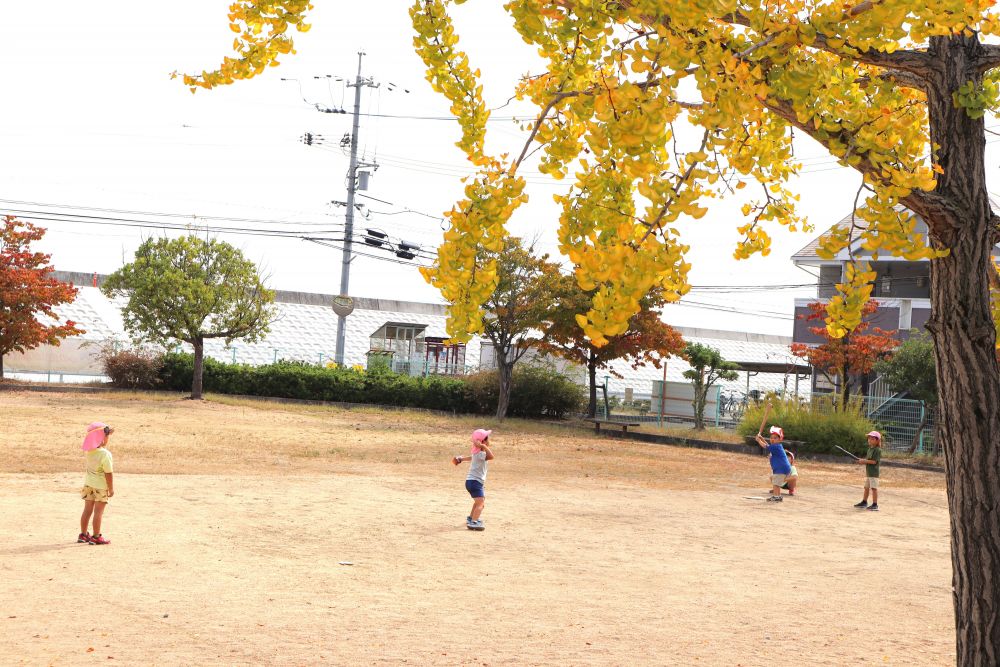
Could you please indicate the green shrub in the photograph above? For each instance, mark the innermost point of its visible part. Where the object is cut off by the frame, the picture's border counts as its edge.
(536, 392)
(818, 425)
(301, 380)
(540, 391)
(482, 390)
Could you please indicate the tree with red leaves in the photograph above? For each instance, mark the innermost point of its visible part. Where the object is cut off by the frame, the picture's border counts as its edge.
(648, 339)
(27, 291)
(850, 358)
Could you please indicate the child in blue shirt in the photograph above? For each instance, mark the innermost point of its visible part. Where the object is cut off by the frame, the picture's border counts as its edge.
(780, 468)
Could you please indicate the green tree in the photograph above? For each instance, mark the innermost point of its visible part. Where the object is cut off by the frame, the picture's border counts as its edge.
(911, 369)
(190, 290)
(707, 367)
(526, 286)
(647, 340)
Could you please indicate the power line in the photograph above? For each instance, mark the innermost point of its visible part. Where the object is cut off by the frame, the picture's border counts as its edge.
(306, 235)
(159, 214)
(49, 216)
(736, 311)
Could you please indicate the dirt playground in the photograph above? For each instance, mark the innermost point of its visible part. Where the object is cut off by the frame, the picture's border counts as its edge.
(247, 533)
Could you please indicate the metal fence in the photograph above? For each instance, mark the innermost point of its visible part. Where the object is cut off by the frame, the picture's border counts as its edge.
(55, 376)
(425, 367)
(898, 419)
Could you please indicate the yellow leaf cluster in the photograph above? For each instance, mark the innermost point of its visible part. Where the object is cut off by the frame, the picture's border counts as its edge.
(262, 35)
(619, 76)
(844, 311)
(464, 270)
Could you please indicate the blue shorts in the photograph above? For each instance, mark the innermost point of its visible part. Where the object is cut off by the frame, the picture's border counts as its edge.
(475, 488)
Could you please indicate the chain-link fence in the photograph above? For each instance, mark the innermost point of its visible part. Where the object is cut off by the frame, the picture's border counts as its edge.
(904, 423)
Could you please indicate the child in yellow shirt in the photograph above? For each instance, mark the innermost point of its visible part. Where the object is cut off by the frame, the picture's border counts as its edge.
(99, 483)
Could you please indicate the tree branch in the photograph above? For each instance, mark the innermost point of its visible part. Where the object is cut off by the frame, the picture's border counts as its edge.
(905, 79)
(914, 62)
(987, 59)
(558, 97)
(917, 201)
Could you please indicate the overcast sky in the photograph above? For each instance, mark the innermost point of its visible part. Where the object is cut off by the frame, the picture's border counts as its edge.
(92, 124)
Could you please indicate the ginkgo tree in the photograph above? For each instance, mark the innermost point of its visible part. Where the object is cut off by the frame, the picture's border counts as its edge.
(895, 89)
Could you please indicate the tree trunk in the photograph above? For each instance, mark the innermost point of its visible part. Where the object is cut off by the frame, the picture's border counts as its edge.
(592, 377)
(845, 382)
(1, 366)
(199, 358)
(505, 370)
(960, 219)
(700, 390)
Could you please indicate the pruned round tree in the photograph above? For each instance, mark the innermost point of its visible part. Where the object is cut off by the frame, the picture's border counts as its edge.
(707, 367)
(190, 289)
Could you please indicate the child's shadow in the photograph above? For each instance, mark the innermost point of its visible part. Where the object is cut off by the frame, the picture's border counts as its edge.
(40, 548)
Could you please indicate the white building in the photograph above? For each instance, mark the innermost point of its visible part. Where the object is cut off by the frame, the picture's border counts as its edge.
(411, 336)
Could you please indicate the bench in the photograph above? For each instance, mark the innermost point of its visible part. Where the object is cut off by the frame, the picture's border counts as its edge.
(613, 422)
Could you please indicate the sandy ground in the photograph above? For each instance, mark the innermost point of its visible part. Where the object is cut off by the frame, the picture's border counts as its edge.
(246, 534)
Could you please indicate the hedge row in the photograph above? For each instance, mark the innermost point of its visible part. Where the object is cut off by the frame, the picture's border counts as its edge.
(536, 392)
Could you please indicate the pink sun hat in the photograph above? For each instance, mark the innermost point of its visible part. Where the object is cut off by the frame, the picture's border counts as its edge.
(478, 436)
(875, 434)
(94, 437)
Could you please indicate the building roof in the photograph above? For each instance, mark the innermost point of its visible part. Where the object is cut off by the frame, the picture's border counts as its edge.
(766, 357)
(808, 254)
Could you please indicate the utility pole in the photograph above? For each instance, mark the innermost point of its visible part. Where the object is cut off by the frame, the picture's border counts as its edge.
(346, 304)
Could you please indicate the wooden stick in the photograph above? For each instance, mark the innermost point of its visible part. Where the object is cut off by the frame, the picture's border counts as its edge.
(767, 411)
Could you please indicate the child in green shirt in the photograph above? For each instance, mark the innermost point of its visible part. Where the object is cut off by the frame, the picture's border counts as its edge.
(871, 462)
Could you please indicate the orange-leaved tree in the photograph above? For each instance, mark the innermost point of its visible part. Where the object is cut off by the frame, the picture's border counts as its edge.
(27, 291)
(895, 89)
(525, 288)
(845, 361)
(648, 339)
